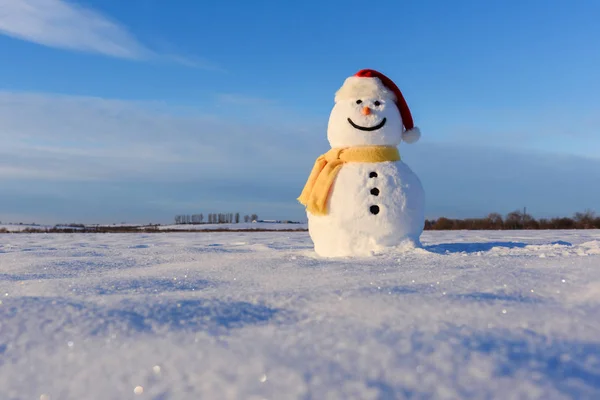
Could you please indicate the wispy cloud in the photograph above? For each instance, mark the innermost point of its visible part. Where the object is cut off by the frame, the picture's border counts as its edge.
(190, 61)
(542, 129)
(66, 25)
(112, 139)
(150, 157)
(56, 23)
(240, 99)
(63, 156)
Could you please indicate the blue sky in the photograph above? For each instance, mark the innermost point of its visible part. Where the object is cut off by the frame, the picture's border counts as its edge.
(138, 110)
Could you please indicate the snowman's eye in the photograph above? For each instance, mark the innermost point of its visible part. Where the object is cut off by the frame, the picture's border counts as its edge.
(377, 103)
(358, 101)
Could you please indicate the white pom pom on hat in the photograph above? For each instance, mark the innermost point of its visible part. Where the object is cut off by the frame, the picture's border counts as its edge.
(368, 82)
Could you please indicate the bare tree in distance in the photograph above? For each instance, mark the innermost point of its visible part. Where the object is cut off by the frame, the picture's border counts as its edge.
(585, 220)
(495, 221)
(516, 220)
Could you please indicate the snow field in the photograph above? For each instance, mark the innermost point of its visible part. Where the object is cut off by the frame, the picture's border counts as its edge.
(239, 315)
(266, 226)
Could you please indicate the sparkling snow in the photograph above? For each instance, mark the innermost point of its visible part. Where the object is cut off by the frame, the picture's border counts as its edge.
(256, 315)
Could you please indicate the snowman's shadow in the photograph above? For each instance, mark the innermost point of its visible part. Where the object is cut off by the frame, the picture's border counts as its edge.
(441, 248)
(477, 247)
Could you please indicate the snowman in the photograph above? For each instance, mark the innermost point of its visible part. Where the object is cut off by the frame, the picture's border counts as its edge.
(361, 199)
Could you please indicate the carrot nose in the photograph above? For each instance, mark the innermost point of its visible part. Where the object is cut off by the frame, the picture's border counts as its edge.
(366, 111)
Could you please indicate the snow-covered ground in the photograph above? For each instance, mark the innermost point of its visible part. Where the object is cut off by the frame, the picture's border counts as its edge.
(13, 228)
(199, 227)
(22, 227)
(241, 226)
(507, 315)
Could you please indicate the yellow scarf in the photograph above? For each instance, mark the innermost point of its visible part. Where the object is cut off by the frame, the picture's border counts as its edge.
(316, 191)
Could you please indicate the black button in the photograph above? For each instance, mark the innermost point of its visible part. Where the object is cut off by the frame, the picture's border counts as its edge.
(373, 175)
(374, 210)
(375, 192)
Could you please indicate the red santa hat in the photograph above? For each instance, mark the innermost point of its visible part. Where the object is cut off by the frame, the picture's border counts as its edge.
(369, 83)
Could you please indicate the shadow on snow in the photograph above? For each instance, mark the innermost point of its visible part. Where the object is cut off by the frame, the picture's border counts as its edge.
(149, 286)
(476, 247)
(570, 366)
(565, 364)
(445, 248)
(55, 316)
(502, 297)
(430, 289)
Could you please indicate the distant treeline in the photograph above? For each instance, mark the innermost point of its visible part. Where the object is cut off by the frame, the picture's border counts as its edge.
(134, 229)
(494, 221)
(214, 218)
(516, 220)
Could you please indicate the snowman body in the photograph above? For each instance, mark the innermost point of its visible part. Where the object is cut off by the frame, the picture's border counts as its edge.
(372, 206)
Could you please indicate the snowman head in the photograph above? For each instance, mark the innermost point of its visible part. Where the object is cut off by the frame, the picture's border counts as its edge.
(369, 110)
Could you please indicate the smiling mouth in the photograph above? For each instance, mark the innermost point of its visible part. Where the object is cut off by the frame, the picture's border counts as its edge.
(368, 128)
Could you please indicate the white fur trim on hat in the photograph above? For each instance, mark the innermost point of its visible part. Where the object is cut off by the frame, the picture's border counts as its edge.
(412, 135)
(356, 87)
